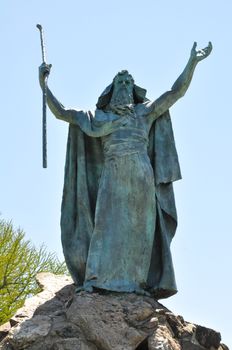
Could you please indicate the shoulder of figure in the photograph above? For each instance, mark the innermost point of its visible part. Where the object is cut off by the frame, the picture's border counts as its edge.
(99, 116)
(142, 108)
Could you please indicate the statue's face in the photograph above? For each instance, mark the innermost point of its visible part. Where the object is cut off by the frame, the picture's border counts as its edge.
(123, 89)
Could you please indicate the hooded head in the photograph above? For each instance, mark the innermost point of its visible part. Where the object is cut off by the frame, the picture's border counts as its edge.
(122, 91)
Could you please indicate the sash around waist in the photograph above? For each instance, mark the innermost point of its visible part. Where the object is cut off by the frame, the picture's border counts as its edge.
(124, 148)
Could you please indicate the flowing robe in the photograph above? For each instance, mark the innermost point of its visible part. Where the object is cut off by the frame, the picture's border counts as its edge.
(118, 211)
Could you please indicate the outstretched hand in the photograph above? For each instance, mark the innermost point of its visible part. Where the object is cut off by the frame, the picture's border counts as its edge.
(200, 55)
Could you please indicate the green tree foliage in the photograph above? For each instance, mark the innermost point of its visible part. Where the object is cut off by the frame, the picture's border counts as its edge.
(20, 261)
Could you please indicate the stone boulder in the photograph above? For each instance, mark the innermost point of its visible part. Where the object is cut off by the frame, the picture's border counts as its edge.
(60, 319)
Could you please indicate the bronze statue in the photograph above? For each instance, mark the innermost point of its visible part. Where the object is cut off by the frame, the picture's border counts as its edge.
(118, 210)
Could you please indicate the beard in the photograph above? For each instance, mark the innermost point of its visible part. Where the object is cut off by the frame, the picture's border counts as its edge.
(121, 103)
(121, 98)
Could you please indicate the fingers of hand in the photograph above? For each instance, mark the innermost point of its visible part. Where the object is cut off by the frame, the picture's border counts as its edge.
(203, 53)
(207, 49)
(194, 46)
(45, 68)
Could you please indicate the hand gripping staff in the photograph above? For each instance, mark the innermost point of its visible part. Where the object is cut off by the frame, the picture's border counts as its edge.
(44, 120)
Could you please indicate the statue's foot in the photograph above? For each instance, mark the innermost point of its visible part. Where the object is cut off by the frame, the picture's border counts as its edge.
(79, 289)
(88, 289)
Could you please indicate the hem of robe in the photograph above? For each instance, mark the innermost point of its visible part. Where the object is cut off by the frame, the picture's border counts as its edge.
(114, 286)
(124, 286)
(162, 293)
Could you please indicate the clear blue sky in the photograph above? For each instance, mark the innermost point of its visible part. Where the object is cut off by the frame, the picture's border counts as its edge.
(88, 42)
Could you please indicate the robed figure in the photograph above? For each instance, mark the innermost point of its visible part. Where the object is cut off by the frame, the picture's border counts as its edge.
(118, 213)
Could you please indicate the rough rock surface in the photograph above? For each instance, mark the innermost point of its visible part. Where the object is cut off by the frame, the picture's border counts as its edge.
(59, 319)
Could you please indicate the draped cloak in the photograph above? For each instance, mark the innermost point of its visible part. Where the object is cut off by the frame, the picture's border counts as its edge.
(83, 168)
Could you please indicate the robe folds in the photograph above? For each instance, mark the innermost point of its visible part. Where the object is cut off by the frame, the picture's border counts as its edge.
(106, 245)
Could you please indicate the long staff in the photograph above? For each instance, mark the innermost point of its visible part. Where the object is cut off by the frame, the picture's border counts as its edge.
(44, 120)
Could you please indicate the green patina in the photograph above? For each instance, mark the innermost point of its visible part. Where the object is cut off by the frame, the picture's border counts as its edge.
(118, 209)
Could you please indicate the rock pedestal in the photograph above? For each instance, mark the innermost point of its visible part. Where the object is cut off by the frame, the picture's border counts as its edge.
(59, 319)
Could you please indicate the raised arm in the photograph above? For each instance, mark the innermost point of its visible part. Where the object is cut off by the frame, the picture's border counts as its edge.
(83, 119)
(179, 88)
(55, 106)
